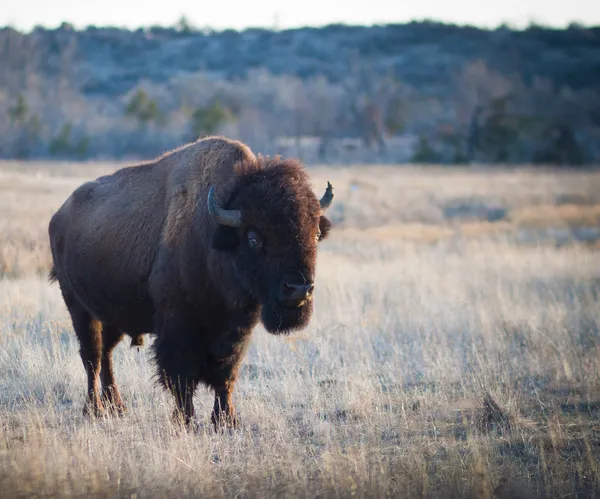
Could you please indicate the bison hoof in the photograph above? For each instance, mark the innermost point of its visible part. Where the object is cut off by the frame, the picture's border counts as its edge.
(224, 420)
(183, 421)
(116, 409)
(91, 410)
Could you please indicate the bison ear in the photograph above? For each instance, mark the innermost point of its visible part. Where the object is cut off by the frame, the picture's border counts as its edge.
(225, 238)
(324, 227)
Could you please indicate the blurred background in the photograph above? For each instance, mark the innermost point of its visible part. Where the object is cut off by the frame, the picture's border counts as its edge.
(378, 82)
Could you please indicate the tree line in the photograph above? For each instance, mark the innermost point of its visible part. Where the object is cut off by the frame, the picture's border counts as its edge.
(483, 115)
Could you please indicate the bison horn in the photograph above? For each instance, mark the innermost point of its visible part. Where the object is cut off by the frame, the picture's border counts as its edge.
(231, 218)
(327, 197)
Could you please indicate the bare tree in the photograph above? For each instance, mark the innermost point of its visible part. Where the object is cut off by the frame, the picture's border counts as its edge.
(371, 95)
(476, 89)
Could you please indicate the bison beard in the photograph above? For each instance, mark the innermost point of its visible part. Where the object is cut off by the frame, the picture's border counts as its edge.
(281, 320)
(190, 247)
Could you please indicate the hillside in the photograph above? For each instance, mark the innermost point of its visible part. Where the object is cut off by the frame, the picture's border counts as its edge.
(451, 90)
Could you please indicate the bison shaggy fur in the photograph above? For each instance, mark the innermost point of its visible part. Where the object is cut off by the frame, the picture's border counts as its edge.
(197, 247)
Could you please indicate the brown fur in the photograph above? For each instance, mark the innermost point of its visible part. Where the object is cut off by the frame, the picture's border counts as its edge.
(137, 252)
(195, 172)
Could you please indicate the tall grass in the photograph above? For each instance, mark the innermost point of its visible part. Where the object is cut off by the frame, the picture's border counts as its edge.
(386, 393)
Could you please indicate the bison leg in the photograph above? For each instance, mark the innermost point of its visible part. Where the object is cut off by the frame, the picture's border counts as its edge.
(223, 415)
(89, 334)
(177, 362)
(183, 391)
(110, 393)
(223, 367)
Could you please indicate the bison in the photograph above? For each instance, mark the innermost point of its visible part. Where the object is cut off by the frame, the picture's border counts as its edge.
(196, 247)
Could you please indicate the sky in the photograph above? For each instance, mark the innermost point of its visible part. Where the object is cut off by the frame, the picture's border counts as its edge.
(25, 14)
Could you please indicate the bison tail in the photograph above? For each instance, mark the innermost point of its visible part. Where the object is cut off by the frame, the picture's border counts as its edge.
(53, 276)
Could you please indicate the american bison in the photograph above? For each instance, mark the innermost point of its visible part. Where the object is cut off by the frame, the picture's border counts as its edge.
(196, 247)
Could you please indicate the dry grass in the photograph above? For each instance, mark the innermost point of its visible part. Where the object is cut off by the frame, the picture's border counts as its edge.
(450, 355)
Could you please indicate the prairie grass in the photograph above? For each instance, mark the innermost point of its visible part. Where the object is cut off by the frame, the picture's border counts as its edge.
(450, 355)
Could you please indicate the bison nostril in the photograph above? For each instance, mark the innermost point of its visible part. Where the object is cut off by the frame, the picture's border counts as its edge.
(295, 292)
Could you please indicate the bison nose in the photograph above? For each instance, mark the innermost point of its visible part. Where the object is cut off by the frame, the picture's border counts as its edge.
(294, 295)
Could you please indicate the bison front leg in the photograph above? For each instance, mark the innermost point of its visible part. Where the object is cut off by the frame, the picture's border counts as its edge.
(224, 415)
(226, 355)
(177, 362)
(183, 391)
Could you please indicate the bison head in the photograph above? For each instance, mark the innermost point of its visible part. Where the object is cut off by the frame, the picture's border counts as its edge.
(271, 225)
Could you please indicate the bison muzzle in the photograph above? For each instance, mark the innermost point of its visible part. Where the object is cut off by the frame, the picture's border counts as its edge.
(197, 247)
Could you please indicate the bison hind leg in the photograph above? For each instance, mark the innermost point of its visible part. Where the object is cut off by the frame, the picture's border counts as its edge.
(89, 334)
(111, 337)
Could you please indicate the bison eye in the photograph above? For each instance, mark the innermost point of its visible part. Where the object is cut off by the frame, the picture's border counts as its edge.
(318, 236)
(254, 241)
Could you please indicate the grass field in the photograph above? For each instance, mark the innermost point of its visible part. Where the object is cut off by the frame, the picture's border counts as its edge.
(454, 352)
